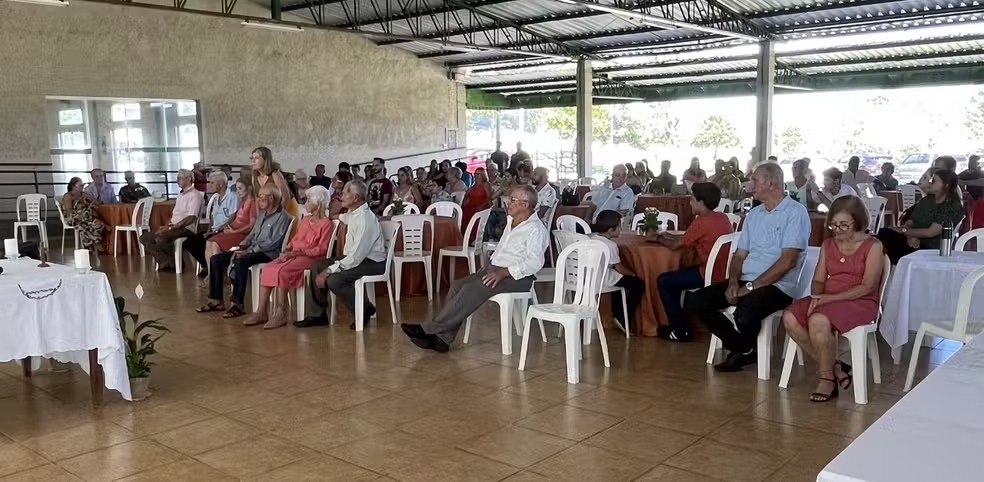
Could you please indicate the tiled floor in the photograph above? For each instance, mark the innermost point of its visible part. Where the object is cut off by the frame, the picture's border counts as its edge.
(327, 404)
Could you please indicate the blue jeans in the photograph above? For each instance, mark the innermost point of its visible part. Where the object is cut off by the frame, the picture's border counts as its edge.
(671, 285)
(240, 274)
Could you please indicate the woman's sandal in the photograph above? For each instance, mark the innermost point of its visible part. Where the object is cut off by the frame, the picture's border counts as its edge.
(845, 382)
(233, 312)
(210, 307)
(824, 397)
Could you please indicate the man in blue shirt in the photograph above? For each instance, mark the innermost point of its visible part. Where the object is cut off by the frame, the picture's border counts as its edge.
(763, 273)
(99, 189)
(619, 197)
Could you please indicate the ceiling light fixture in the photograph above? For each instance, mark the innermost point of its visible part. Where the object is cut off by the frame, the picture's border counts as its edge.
(272, 26)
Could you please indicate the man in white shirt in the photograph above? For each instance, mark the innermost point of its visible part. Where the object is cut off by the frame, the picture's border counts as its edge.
(545, 193)
(833, 188)
(515, 262)
(364, 255)
(854, 174)
(619, 197)
(184, 221)
(101, 191)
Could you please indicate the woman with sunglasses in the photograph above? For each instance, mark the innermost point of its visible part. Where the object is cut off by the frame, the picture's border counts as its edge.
(844, 294)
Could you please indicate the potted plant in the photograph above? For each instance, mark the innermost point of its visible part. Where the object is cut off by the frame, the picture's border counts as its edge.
(650, 222)
(399, 208)
(140, 338)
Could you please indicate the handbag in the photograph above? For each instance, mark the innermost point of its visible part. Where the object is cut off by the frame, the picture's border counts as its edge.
(568, 197)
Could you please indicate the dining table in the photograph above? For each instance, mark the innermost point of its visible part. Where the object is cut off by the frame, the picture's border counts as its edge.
(671, 203)
(119, 214)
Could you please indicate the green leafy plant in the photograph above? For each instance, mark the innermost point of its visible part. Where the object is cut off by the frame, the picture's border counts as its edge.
(141, 338)
(650, 221)
(399, 208)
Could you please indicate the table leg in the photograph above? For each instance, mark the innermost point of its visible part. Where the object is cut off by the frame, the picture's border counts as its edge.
(95, 377)
(897, 355)
(26, 365)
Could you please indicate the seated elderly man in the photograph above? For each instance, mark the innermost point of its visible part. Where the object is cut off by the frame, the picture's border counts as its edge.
(364, 255)
(184, 220)
(99, 189)
(763, 273)
(619, 197)
(833, 188)
(263, 244)
(517, 258)
(133, 191)
(223, 211)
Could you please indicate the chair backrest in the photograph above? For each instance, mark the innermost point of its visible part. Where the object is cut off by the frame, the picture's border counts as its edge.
(478, 222)
(458, 197)
(61, 211)
(725, 206)
(570, 223)
(157, 196)
(908, 192)
(548, 217)
(735, 220)
(567, 238)
(636, 220)
(588, 196)
(141, 212)
(414, 233)
(408, 208)
(977, 234)
(886, 273)
(731, 252)
(207, 215)
(865, 190)
(668, 218)
(390, 231)
(33, 206)
(447, 209)
(745, 204)
(588, 273)
(289, 233)
(333, 239)
(586, 181)
(963, 301)
(715, 249)
(876, 212)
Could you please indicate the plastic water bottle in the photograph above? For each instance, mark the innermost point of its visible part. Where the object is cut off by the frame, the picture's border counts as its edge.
(946, 239)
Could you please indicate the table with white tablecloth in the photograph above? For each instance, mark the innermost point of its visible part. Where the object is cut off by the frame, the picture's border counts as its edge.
(924, 288)
(935, 432)
(56, 312)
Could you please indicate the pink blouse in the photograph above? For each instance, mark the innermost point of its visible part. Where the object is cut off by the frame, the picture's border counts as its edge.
(312, 237)
(245, 214)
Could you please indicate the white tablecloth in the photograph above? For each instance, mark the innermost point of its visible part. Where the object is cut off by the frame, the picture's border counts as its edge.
(55, 312)
(935, 433)
(924, 288)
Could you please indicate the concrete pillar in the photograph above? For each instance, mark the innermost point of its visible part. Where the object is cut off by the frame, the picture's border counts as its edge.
(584, 134)
(276, 9)
(764, 90)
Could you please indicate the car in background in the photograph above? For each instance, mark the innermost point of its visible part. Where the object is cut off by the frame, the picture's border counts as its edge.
(915, 165)
(869, 162)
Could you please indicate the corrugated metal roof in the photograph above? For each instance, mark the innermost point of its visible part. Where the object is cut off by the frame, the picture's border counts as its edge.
(894, 64)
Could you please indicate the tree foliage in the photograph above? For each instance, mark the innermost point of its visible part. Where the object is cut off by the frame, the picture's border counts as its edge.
(974, 118)
(790, 140)
(715, 133)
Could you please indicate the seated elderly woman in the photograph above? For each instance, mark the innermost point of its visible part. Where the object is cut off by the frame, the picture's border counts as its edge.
(844, 296)
(454, 184)
(236, 229)
(286, 273)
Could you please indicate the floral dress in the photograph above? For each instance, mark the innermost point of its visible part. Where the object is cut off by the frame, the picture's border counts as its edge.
(83, 217)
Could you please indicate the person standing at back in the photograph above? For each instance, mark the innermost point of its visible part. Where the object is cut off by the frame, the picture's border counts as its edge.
(500, 158)
(380, 191)
(854, 174)
(519, 157)
(320, 179)
(763, 273)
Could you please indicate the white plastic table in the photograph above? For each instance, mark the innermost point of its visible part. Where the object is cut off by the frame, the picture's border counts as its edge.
(57, 313)
(935, 432)
(924, 288)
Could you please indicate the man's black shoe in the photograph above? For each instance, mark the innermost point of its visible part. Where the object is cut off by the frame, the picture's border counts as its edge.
(312, 321)
(439, 345)
(418, 336)
(673, 335)
(736, 361)
(203, 274)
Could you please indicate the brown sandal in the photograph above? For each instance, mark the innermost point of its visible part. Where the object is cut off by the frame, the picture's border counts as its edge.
(234, 311)
(210, 307)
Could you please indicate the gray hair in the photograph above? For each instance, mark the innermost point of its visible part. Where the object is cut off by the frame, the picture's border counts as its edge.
(272, 191)
(300, 174)
(772, 172)
(318, 195)
(532, 198)
(218, 177)
(620, 167)
(182, 173)
(454, 171)
(357, 188)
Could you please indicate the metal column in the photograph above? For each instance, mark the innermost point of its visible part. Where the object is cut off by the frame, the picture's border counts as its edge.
(584, 134)
(764, 89)
(276, 9)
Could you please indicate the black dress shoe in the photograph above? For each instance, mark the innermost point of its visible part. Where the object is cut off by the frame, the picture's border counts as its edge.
(203, 274)
(736, 361)
(312, 321)
(418, 336)
(439, 345)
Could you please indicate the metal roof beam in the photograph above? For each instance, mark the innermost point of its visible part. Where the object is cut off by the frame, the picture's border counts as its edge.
(706, 16)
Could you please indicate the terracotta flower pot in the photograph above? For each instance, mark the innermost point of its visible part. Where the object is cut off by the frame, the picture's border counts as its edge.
(140, 388)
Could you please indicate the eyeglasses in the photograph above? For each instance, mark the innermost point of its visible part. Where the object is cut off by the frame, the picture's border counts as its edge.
(840, 227)
(517, 200)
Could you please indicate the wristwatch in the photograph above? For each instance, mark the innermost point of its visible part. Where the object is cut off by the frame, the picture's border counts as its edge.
(749, 286)
(904, 230)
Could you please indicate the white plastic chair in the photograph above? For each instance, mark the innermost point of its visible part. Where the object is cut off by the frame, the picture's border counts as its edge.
(413, 251)
(206, 218)
(512, 310)
(589, 272)
(458, 197)
(408, 208)
(139, 222)
(666, 218)
(35, 215)
(300, 293)
(447, 209)
(876, 212)
(565, 239)
(468, 250)
(957, 333)
(586, 181)
(725, 206)
(864, 344)
(365, 286)
(735, 220)
(179, 251)
(908, 192)
(865, 190)
(588, 196)
(254, 271)
(570, 224)
(66, 226)
(962, 241)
